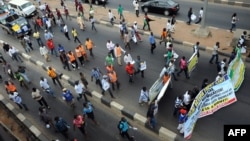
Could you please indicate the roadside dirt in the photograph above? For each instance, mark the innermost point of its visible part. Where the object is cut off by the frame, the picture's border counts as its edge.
(10, 123)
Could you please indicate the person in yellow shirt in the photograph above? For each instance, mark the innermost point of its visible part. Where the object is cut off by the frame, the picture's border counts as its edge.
(89, 46)
(36, 35)
(53, 75)
(75, 35)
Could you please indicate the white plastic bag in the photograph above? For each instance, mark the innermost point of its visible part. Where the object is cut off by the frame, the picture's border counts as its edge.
(193, 17)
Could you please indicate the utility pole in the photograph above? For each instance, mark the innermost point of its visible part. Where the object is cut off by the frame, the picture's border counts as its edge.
(203, 31)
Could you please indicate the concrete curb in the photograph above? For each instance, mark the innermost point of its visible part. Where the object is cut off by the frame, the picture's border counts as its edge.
(33, 129)
(142, 120)
(232, 3)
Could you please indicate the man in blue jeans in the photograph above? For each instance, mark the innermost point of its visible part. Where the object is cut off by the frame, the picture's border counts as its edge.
(215, 53)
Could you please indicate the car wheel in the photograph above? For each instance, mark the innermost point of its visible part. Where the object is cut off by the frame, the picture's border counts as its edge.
(145, 9)
(97, 2)
(166, 13)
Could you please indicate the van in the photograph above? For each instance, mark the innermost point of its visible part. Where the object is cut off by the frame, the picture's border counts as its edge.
(22, 7)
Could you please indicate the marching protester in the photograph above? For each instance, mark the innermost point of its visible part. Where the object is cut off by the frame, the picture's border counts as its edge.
(196, 49)
(46, 117)
(35, 94)
(164, 36)
(55, 78)
(14, 54)
(190, 12)
(68, 97)
(23, 71)
(80, 90)
(75, 35)
(80, 21)
(15, 97)
(136, 31)
(88, 111)
(111, 17)
(233, 21)
(113, 79)
(111, 46)
(20, 78)
(64, 60)
(136, 6)
(97, 74)
(89, 46)
(44, 52)
(7, 69)
(140, 66)
(130, 71)
(66, 31)
(151, 115)
(45, 86)
(126, 40)
(10, 87)
(118, 53)
(61, 126)
(127, 58)
(200, 16)
(123, 127)
(79, 122)
(146, 22)
(173, 22)
(73, 60)
(152, 42)
(182, 119)
(183, 67)
(187, 101)
(120, 11)
(215, 53)
(144, 96)
(178, 104)
(80, 54)
(106, 86)
(109, 60)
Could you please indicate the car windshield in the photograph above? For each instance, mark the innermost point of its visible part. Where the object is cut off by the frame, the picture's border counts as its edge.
(11, 18)
(170, 2)
(20, 21)
(26, 5)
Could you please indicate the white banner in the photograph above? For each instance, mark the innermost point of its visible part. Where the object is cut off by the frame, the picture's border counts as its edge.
(210, 99)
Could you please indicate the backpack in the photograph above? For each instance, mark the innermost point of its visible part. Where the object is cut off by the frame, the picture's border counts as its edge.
(118, 126)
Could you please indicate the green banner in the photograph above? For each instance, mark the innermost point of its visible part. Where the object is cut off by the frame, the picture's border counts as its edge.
(236, 71)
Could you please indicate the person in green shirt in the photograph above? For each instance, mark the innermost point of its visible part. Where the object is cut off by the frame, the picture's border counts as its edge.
(109, 60)
(120, 11)
(20, 78)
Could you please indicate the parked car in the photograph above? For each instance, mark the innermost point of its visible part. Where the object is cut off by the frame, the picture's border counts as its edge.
(97, 2)
(15, 25)
(166, 7)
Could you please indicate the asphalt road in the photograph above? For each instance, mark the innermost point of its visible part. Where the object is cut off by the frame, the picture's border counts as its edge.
(207, 129)
(218, 15)
(106, 117)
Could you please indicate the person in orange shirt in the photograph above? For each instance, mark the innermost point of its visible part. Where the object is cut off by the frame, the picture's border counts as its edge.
(118, 53)
(89, 45)
(109, 68)
(79, 55)
(114, 80)
(164, 36)
(165, 78)
(73, 60)
(53, 75)
(83, 51)
(10, 87)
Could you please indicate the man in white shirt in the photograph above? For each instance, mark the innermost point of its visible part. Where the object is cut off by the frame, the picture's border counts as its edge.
(111, 17)
(80, 90)
(128, 59)
(111, 46)
(66, 31)
(187, 99)
(200, 16)
(136, 31)
(18, 100)
(136, 5)
(44, 52)
(48, 24)
(45, 86)
(168, 26)
(14, 54)
(215, 53)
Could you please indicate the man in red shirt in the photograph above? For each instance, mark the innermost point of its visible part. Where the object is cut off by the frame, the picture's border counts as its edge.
(51, 46)
(130, 70)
